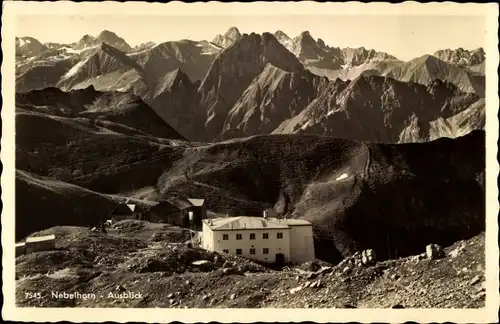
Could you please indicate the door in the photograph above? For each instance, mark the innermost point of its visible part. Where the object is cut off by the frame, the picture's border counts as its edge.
(280, 259)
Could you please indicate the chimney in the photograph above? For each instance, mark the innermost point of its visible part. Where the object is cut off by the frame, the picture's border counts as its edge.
(264, 214)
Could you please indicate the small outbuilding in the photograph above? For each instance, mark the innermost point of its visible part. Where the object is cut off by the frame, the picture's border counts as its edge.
(20, 248)
(40, 243)
(199, 210)
(123, 211)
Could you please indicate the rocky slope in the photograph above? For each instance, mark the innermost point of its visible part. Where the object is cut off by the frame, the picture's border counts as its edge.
(232, 73)
(107, 68)
(340, 184)
(462, 123)
(373, 108)
(174, 98)
(273, 96)
(133, 258)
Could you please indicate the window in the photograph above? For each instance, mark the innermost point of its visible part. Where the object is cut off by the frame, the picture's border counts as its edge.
(265, 236)
(225, 251)
(252, 251)
(265, 250)
(252, 236)
(238, 236)
(280, 235)
(238, 251)
(225, 237)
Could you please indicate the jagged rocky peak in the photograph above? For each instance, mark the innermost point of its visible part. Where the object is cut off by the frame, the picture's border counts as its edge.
(86, 41)
(233, 33)
(267, 46)
(106, 34)
(176, 78)
(280, 35)
(321, 42)
(87, 38)
(144, 45)
(229, 38)
(305, 38)
(29, 46)
(114, 40)
(461, 56)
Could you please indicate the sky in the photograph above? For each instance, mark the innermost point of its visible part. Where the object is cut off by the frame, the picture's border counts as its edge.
(404, 36)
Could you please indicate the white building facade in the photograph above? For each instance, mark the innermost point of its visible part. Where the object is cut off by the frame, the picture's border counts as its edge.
(263, 239)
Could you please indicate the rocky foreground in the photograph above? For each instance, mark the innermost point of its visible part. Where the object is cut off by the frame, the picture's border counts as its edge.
(140, 264)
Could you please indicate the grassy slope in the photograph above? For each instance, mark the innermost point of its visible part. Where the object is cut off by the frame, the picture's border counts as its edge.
(43, 202)
(97, 156)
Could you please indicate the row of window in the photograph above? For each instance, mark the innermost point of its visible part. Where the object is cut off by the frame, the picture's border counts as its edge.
(265, 236)
(252, 251)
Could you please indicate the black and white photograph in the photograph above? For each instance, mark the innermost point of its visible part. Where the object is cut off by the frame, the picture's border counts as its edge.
(217, 158)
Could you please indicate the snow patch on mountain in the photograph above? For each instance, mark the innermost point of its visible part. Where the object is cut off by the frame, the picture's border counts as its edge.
(75, 69)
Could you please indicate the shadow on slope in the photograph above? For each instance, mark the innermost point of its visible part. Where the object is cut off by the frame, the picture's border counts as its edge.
(118, 107)
(42, 202)
(77, 151)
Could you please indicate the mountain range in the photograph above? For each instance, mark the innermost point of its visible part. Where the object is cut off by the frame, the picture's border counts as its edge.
(256, 121)
(248, 84)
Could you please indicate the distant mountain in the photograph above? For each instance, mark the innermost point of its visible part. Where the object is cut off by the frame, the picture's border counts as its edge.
(260, 84)
(374, 108)
(273, 96)
(107, 68)
(29, 46)
(423, 70)
(474, 60)
(192, 57)
(174, 98)
(53, 46)
(106, 37)
(233, 71)
(85, 42)
(284, 39)
(461, 67)
(143, 46)
(229, 38)
(321, 58)
(116, 68)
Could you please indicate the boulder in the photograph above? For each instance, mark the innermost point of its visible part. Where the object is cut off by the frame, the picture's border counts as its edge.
(434, 251)
(368, 257)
